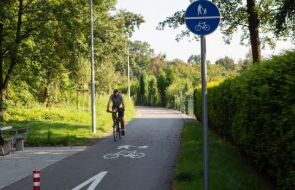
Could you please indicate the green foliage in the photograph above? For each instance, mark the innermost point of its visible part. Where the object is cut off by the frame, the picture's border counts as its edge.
(193, 59)
(175, 82)
(218, 72)
(157, 63)
(44, 47)
(174, 93)
(284, 17)
(162, 85)
(141, 54)
(153, 94)
(226, 62)
(143, 89)
(255, 111)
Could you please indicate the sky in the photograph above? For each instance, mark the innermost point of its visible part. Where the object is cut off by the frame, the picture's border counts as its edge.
(155, 11)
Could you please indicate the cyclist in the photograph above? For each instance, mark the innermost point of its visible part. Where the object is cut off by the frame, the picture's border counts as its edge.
(118, 101)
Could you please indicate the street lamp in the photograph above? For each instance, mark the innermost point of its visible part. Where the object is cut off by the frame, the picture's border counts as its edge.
(128, 76)
(92, 72)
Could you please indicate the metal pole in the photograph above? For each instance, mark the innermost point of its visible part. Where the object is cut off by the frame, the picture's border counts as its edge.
(128, 77)
(92, 73)
(205, 113)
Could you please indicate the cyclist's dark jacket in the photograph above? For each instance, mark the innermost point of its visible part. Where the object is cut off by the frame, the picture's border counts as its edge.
(117, 101)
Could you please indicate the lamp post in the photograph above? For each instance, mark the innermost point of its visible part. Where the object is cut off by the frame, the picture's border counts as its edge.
(128, 75)
(92, 72)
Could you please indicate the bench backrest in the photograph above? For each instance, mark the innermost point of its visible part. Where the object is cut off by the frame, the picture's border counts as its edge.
(20, 131)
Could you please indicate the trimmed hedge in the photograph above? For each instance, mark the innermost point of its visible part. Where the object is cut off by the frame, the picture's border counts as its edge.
(256, 111)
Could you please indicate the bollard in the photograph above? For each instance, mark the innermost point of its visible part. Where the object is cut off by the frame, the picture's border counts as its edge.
(36, 180)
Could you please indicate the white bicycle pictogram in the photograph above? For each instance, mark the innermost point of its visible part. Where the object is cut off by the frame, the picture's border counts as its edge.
(125, 153)
(202, 25)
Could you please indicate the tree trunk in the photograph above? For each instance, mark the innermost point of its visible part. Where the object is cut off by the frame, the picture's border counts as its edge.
(46, 96)
(254, 30)
(13, 58)
(47, 88)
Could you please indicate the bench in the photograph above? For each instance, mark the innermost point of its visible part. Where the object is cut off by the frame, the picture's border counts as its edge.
(5, 141)
(20, 135)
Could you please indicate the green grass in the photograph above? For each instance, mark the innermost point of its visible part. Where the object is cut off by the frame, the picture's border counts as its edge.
(227, 169)
(64, 126)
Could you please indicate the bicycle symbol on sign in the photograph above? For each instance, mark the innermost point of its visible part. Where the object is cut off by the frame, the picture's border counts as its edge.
(126, 153)
(202, 25)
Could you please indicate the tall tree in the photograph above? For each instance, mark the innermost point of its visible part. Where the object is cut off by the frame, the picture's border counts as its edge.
(162, 86)
(143, 88)
(256, 19)
(193, 59)
(141, 54)
(157, 63)
(227, 63)
(153, 91)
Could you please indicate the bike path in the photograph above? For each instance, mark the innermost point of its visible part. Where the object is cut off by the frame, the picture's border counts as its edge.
(20, 164)
(155, 133)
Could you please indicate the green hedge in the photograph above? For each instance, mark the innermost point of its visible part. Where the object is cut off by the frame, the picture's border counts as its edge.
(256, 111)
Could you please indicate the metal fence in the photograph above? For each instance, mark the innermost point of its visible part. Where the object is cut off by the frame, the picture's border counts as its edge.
(184, 104)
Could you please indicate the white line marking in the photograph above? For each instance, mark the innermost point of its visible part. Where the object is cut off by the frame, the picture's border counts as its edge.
(203, 17)
(95, 181)
(129, 146)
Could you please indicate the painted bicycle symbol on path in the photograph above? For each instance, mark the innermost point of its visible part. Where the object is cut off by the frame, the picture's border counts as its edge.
(202, 25)
(126, 152)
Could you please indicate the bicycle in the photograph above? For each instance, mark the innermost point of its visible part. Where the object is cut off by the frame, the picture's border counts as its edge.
(117, 124)
(125, 153)
(202, 25)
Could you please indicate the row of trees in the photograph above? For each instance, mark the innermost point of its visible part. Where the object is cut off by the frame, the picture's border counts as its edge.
(157, 81)
(45, 48)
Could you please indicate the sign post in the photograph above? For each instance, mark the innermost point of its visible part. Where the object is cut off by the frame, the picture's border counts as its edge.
(202, 18)
(92, 72)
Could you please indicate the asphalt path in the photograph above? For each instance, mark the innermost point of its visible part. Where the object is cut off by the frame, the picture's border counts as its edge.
(144, 159)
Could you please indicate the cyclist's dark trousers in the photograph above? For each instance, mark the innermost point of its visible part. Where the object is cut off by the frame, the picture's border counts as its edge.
(121, 113)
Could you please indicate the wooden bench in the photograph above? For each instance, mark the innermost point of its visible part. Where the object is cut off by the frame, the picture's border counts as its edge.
(20, 135)
(5, 141)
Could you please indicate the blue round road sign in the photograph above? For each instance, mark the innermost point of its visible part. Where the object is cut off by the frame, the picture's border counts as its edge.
(202, 17)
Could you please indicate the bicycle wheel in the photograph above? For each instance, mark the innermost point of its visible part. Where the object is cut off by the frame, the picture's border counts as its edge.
(111, 156)
(115, 131)
(118, 131)
(198, 28)
(137, 155)
(206, 27)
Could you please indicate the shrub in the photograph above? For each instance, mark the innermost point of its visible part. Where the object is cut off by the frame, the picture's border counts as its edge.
(256, 111)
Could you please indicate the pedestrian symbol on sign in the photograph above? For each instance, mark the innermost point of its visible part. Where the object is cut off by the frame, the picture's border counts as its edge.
(200, 9)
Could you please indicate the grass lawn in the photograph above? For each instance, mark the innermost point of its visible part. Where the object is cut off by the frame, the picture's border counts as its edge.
(64, 126)
(227, 169)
